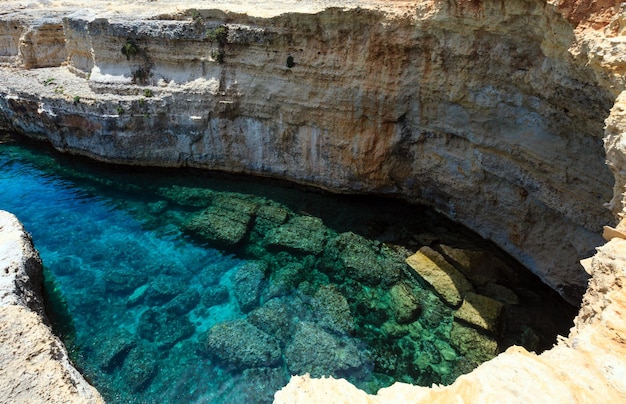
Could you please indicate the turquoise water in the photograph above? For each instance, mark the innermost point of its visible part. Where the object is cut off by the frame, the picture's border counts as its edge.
(190, 286)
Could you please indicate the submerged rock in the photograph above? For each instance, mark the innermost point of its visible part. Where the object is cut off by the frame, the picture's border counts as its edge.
(163, 289)
(473, 344)
(480, 311)
(123, 281)
(248, 283)
(358, 257)
(321, 353)
(499, 292)
(140, 367)
(164, 329)
(223, 226)
(242, 345)
(302, 234)
(215, 295)
(285, 279)
(270, 217)
(332, 310)
(183, 303)
(479, 266)
(443, 277)
(115, 347)
(405, 305)
(275, 318)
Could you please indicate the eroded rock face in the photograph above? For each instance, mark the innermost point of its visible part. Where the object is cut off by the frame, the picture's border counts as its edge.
(462, 105)
(34, 365)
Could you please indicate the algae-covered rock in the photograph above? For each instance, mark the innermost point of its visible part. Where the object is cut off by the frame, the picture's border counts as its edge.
(214, 295)
(285, 279)
(123, 281)
(163, 289)
(270, 217)
(447, 281)
(406, 307)
(473, 344)
(242, 345)
(275, 318)
(480, 311)
(164, 329)
(358, 257)
(303, 234)
(248, 283)
(321, 353)
(188, 196)
(332, 310)
(183, 303)
(220, 225)
(115, 347)
(140, 367)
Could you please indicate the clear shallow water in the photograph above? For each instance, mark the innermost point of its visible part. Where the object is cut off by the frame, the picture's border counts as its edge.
(197, 287)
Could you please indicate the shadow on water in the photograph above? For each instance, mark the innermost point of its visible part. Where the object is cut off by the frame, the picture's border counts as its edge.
(188, 285)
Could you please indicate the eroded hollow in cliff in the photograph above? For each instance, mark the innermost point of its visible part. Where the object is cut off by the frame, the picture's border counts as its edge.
(193, 286)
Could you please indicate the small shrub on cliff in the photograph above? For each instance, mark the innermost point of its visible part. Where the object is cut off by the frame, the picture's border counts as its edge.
(120, 110)
(290, 62)
(219, 35)
(147, 93)
(130, 49)
(76, 99)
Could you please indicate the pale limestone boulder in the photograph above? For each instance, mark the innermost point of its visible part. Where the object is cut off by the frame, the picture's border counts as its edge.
(443, 277)
(34, 364)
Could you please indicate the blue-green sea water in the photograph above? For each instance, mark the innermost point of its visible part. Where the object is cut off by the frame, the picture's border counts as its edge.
(187, 286)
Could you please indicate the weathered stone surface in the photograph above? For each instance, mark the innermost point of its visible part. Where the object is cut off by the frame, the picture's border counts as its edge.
(480, 311)
(223, 226)
(359, 258)
(304, 234)
(443, 277)
(318, 352)
(242, 345)
(34, 364)
(332, 310)
(406, 308)
(248, 284)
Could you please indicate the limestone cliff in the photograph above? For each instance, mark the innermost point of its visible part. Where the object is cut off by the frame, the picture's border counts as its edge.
(34, 365)
(476, 108)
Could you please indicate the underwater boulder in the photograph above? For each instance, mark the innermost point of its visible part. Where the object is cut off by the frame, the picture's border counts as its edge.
(446, 280)
(242, 345)
(140, 367)
(214, 295)
(320, 353)
(357, 257)
(302, 234)
(480, 311)
(332, 310)
(406, 307)
(248, 284)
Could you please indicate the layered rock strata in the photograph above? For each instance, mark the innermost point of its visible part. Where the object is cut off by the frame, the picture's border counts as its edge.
(34, 364)
(476, 108)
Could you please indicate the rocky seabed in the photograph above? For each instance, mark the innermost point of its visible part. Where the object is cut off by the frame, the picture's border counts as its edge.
(516, 122)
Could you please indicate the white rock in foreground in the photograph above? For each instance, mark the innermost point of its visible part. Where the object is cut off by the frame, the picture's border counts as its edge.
(34, 365)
